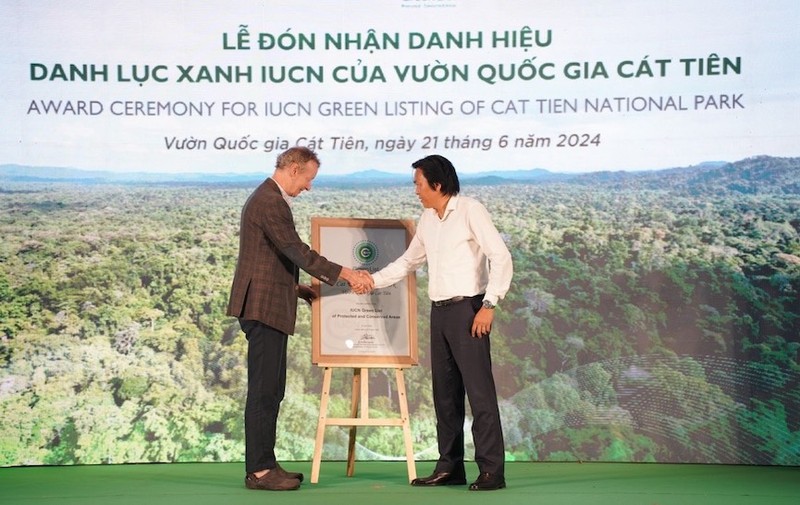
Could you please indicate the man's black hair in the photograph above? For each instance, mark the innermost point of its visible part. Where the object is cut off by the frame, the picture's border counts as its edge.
(438, 170)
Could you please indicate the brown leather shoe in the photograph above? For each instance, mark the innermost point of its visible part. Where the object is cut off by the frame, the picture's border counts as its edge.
(289, 475)
(441, 479)
(271, 481)
(488, 482)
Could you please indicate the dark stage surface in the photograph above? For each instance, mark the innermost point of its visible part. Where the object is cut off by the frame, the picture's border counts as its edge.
(385, 483)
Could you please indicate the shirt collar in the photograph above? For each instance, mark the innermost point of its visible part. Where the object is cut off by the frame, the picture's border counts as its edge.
(284, 194)
(452, 204)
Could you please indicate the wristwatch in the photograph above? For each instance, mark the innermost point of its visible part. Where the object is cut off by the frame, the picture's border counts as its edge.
(487, 304)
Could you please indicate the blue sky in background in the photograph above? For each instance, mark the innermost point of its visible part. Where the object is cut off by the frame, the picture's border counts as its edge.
(739, 113)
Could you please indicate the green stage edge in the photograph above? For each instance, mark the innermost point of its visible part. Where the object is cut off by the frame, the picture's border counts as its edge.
(386, 483)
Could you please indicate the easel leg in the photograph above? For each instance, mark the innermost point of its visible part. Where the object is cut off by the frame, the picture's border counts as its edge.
(403, 400)
(351, 444)
(323, 414)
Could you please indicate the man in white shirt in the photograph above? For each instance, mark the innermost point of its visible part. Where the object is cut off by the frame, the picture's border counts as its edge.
(469, 270)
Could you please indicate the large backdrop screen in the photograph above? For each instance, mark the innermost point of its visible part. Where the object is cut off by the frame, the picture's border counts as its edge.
(639, 158)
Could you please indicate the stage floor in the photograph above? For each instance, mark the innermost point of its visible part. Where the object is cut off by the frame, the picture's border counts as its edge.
(386, 483)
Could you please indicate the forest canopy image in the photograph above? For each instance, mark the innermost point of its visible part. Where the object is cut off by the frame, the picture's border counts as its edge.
(653, 316)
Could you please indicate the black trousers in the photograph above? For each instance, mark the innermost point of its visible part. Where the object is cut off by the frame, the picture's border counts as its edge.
(266, 385)
(462, 364)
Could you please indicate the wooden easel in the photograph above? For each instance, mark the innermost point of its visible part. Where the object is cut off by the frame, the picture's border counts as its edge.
(360, 417)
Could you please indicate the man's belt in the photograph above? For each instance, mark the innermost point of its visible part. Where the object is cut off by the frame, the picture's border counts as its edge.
(449, 301)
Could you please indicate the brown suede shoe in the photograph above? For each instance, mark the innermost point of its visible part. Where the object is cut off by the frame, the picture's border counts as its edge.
(271, 481)
(289, 475)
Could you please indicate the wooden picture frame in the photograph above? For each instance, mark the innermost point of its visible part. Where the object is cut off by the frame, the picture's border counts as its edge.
(377, 329)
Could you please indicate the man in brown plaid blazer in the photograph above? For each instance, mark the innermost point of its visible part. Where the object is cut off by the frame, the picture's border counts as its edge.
(264, 298)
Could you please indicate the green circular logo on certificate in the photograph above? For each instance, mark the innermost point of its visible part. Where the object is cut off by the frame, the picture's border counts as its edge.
(365, 252)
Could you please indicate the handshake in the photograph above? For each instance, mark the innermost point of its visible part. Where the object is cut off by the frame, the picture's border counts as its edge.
(360, 281)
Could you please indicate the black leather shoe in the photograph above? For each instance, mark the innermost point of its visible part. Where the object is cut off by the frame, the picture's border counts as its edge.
(488, 482)
(289, 475)
(441, 479)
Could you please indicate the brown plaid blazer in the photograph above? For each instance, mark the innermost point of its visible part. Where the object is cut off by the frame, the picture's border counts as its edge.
(270, 253)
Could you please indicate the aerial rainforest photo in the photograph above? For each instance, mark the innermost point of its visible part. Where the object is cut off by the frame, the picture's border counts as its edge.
(653, 316)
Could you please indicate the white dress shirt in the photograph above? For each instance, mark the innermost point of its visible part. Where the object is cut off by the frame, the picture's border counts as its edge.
(466, 255)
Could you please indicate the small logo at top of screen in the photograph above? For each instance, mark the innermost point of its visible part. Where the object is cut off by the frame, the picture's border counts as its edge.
(365, 252)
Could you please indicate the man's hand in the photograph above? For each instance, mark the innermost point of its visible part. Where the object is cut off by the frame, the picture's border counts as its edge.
(365, 284)
(482, 324)
(306, 292)
(360, 281)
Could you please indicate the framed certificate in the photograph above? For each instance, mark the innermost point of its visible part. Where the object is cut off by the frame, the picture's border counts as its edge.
(378, 329)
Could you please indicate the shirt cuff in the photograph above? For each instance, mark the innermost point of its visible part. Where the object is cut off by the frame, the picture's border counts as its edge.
(377, 278)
